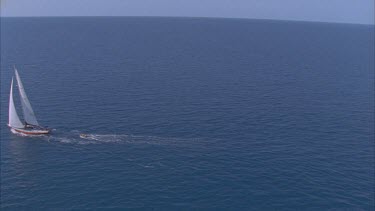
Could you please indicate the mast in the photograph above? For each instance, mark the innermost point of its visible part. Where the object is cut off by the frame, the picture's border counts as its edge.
(14, 120)
(28, 112)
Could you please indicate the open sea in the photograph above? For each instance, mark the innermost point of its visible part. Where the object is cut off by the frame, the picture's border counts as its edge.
(190, 113)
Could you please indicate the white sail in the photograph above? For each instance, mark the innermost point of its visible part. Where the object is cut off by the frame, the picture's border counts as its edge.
(28, 112)
(14, 120)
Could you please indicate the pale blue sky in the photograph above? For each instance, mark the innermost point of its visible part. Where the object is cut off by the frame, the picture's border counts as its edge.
(344, 11)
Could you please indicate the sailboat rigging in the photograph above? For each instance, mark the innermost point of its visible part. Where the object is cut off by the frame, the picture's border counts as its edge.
(30, 125)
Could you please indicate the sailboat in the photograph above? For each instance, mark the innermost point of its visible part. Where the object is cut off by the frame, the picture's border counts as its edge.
(30, 126)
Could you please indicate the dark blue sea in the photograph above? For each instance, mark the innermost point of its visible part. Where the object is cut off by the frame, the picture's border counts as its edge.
(190, 113)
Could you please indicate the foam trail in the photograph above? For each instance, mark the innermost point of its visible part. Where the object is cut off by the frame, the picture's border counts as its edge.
(73, 137)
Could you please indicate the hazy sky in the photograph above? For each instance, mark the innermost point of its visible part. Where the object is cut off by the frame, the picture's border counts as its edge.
(347, 11)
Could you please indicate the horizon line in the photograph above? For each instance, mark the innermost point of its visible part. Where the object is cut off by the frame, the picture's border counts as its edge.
(198, 17)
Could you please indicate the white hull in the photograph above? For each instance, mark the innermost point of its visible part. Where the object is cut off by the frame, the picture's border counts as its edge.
(29, 132)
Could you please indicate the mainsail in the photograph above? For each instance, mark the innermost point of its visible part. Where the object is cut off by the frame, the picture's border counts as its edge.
(14, 120)
(28, 112)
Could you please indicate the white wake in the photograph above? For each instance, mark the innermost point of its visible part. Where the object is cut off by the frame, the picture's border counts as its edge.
(75, 137)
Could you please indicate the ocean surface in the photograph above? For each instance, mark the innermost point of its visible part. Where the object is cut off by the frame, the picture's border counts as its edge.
(190, 113)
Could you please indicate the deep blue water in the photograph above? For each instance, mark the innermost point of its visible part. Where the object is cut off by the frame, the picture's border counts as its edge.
(190, 113)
